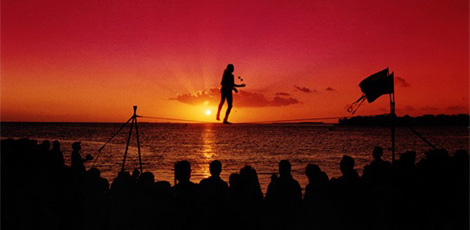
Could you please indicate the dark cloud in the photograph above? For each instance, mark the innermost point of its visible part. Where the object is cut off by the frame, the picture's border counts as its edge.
(429, 108)
(330, 89)
(402, 82)
(282, 94)
(241, 99)
(199, 97)
(457, 108)
(305, 89)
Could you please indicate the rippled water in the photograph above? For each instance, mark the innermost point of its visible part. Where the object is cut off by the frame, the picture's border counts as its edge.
(261, 146)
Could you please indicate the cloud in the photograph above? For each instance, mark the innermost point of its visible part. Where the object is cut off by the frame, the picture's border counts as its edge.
(402, 82)
(330, 89)
(198, 98)
(429, 108)
(457, 108)
(240, 99)
(282, 94)
(305, 89)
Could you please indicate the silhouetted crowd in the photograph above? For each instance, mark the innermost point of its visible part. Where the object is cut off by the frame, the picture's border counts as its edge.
(40, 192)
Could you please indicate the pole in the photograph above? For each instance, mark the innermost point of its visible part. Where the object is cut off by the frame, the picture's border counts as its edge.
(422, 138)
(99, 150)
(127, 145)
(174, 171)
(137, 137)
(392, 122)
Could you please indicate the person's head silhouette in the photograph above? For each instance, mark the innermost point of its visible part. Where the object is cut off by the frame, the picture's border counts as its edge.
(378, 152)
(183, 171)
(234, 179)
(312, 171)
(76, 146)
(230, 68)
(56, 145)
(408, 158)
(284, 167)
(215, 168)
(147, 178)
(46, 145)
(135, 174)
(94, 173)
(347, 164)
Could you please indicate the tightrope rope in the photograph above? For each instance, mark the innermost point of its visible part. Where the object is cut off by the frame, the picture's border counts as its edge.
(301, 119)
(258, 122)
(175, 119)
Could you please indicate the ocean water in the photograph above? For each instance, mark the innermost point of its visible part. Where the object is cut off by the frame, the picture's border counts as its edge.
(260, 145)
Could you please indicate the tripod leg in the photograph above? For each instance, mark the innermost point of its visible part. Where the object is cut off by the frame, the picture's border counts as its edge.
(127, 145)
(138, 145)
(99, 150)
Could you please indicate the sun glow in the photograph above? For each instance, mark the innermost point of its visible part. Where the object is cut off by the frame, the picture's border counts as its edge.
(208, 112)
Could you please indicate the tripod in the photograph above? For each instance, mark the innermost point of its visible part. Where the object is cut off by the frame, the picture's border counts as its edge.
(133, 121)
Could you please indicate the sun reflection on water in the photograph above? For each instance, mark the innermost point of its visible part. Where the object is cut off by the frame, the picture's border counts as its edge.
(208, 153)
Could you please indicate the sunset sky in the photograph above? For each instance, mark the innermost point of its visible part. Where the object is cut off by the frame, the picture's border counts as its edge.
(92, 60)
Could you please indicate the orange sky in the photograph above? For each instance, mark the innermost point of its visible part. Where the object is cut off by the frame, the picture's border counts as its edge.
(92, 60)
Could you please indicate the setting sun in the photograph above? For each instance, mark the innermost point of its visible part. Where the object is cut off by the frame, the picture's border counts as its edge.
(208, 112)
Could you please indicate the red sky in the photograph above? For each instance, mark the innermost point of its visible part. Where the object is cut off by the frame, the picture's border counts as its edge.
(92, 60)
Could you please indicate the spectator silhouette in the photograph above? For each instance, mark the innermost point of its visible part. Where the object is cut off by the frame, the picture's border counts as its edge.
(348, 195)
(235, 205)
(460, 199)
(251, 190)
(57, 156)
(284, 196)
(235, 190)
(378, 172)
(405, 178)
(135, 175)
(213, 192)
(214, 189)
(376, 177)
(77, 162)
(44, 155)
(121, 197)
(251, 199)
(185, 196)
(316, 198)
(317, 185)
(45, 146)
(146, 202)
(284, 190)
(92, 199)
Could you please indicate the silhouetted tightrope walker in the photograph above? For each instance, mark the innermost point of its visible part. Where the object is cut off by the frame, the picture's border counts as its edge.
(405, 194)
(228, 85)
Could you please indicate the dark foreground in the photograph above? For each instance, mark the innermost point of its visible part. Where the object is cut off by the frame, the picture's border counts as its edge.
(40, 192)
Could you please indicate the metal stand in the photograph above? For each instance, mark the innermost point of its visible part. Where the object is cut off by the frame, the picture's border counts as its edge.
(392, 123)
(133, 121)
